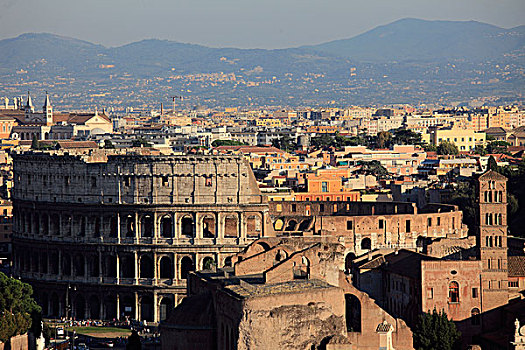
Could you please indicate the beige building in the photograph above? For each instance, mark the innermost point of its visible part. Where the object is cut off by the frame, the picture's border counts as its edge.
(464, 139)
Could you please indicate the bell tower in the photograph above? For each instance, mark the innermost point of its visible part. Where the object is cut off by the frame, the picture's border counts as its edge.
(492, 238)
(47, 110)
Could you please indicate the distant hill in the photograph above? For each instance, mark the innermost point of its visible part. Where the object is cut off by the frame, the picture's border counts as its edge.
(409, 60)
(416, 39)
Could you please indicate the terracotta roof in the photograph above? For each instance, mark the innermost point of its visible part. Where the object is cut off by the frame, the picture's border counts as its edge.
(493, 175)
(383, 327)
(516, 266)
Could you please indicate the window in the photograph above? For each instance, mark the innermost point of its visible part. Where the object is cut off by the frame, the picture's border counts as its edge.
(321, 207)
(324, 186)
(474, 293)
(381, 223)
(407, 226)
(165, 181)
(453, 292)
(513, 284)
(294, 208)
(429, 222)
(439, 221)
(93, 181)
(349, 225)
(430, 293)
(208, 182)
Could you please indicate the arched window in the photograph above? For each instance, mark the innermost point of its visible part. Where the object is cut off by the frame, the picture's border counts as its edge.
(146, 267)
(166, 268)
(186, 265)
(147, 226)
(453, 292)
(207, 263)
(187, 226)
(475, 317)
(166, 227)
(366, 244)
(352, 313)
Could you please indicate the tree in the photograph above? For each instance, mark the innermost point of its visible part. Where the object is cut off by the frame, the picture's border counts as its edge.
(34, 143)
(464, 196)
(218, 143)
(285, 142)
(108, 144)
(140, 142)
(406, 137)
(384, 139)
(492, 164)
(497, 147)
(446, 147)
(480, 149)
(429, 147)
(434, 331)
(17, 308)
(373, 167)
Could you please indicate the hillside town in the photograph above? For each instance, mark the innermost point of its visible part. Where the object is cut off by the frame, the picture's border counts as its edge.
(311, 228)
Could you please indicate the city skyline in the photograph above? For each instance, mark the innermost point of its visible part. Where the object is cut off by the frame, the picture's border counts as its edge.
(233, 24)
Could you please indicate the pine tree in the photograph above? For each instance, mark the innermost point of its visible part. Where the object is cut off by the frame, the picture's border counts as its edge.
(435, 331)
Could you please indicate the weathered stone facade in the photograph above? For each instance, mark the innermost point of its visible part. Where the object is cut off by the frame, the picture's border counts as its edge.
(113, 235)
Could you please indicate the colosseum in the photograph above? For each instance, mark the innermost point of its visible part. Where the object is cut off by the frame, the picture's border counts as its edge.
(105, 234)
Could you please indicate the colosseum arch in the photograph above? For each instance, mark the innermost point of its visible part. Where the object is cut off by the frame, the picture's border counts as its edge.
(97, 229)
(228, 261)
(54, 305)
(146, 267)
(44, 303)
(93, 266)
(94, 307)
(45, 224)
(146, 308)
(79, 310)
(253, 225)
(55, 224)
(130, 226)
(166, 305)
(166, 226)
(36, 220)
(127, 266)
(187, 226)
(79, 265)
(68, 225)
(54, 262)
(146, 226)
(208, 226)
(186, 265)
(66, 264)
(111, 266)
(113, 226)
(110, 306)
(43, 262)
(166, 268)
(366, 244)
(231, 227)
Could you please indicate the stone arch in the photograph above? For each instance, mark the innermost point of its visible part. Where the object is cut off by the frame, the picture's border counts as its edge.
(166, 268)
(291, 225)
(231, 227)
(79, 265)
(146, 267)
(68, 225)
(166, 305)
(80, 307)
(352, 313)
(304, 225)
(54, 309)
(187, 226)
(301, 269)
(475, 317)
(82, 229)
(66, 265)
(127, 266)
(130, 226)
(186, 266)
(253, 225)
(94, 268)
(43, 262)
(228, 262)
(97, 230)
(146, 226)
(113, 226)
(54, 262)
(44, 303)
(208, 263)
(280, 255)
(128, 305)
(366, 244)
(94, 307)
(208, 226)
(265, 246)
(110, 307)
(166, 226)
(146, 308)
(55, 224)
(349, 262)
(45, 224)
(111, 266)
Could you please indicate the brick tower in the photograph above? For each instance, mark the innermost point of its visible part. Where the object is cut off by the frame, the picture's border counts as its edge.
(492, 239)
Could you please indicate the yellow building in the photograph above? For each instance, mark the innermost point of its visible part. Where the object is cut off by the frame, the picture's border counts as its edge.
(268, 122)
(464, 139)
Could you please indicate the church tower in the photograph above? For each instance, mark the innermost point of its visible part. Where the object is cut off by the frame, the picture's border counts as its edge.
(28, 109)
(48, 111)
(492, 239)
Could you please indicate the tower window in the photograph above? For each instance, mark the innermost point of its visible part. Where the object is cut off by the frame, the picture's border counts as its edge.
(453, 292)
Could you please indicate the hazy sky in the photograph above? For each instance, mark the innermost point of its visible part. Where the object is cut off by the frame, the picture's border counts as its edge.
(237, 23)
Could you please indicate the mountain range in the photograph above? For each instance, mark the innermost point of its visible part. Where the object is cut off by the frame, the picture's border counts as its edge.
(406, 61)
